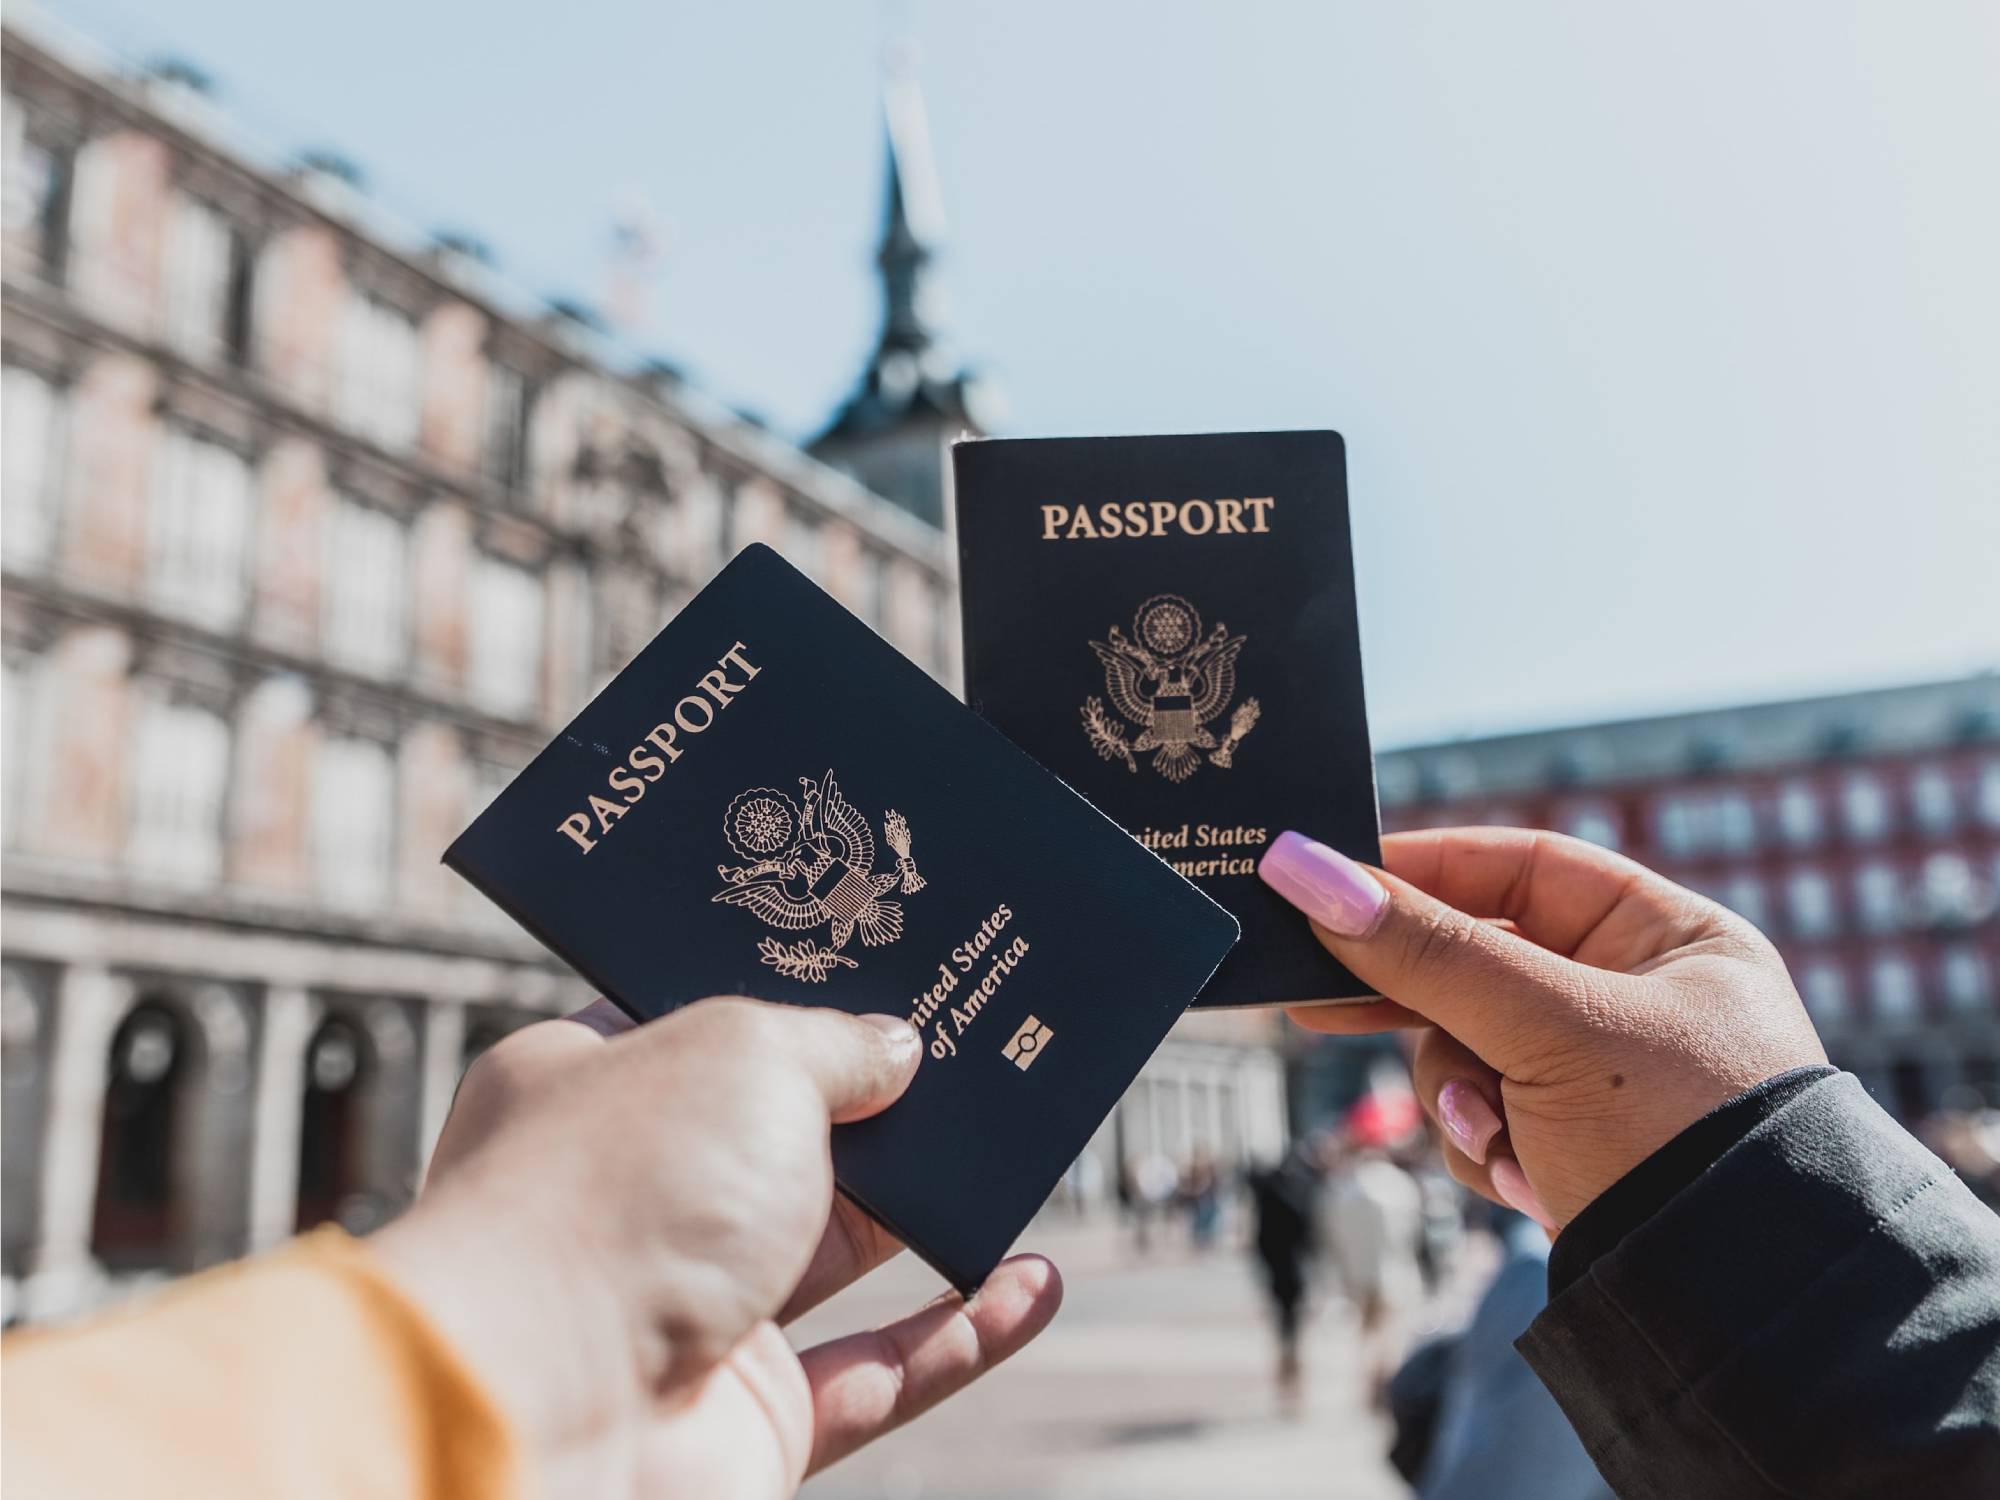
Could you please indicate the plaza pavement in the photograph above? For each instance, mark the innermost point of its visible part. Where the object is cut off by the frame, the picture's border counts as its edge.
(1153, 1383)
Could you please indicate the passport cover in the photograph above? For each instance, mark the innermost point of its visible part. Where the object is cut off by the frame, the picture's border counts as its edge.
(1168, 624)
(772, 801)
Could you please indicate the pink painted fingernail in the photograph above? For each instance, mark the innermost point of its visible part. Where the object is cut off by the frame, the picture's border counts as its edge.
(1323, 883)
(1467, 1118)
(1511, 1183)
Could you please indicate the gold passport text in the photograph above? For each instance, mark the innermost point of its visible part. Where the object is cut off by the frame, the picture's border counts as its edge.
(648, 760)
(1140, 518)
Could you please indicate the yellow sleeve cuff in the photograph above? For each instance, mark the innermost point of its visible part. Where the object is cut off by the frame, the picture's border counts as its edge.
(303, 1373)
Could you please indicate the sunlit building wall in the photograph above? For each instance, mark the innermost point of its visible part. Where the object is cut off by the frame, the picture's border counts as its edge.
(313, 533)
(309, 542)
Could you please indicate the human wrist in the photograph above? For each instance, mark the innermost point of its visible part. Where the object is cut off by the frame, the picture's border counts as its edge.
(1640, 1193)
(530, 1310)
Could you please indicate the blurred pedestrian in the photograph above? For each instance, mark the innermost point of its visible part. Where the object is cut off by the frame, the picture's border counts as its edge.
(1201, 1191)
(1373, 1221)
(1284, 1201)
(1442, 1230)
(1155, 1182)
(1082, 1185)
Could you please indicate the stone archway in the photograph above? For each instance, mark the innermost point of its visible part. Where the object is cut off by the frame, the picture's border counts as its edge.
(24, 1066)
(485, 1028)
(357, 1142)
(139, 1219)
(340, 1072)
(173, 1132)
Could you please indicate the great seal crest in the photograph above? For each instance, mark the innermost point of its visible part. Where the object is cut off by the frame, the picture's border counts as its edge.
(811, 864)
(1170, 682)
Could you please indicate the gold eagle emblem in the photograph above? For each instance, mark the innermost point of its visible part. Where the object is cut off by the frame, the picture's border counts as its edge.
(1170, 682)
(811, 864)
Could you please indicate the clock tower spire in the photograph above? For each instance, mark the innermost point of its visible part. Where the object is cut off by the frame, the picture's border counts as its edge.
(894, 431)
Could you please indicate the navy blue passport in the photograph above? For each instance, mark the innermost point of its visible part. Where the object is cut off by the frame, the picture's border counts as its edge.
(1168, 624)
(772, 801)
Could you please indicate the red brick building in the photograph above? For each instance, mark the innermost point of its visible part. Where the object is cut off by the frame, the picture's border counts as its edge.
(1861, 832)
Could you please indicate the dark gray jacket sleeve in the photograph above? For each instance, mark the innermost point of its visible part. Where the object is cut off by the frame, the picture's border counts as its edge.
(1816, 1314)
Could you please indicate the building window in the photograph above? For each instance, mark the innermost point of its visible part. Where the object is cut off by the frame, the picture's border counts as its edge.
(1677, 826)
(1823, 986)
(911, 624)
(381, 368)
(367, 588)
(14, 680)
(875, 587)
(802, 544)
(506, 426)
(208, 283)
(699, 510)
(489, 779)
(1595, 823)
(1735, 823)
(1989, 794)
(1878, 897)
(24, 751)
(584, 632)
(179, 780)
(353, 822)
(1892, 981)
(1934, 800)
(34, 415)
(1864, 806)
(41, 170)
(1745, 895)
(618, 613)
(199, 527)
(1951, 891)
(921, 623)
(1968, 979)
(506, 639)
(1809, 904)
(1798, 814)
(1691, 823)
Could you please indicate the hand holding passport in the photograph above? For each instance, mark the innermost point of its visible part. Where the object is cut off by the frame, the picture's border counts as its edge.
(770, 801)
(617, 1220)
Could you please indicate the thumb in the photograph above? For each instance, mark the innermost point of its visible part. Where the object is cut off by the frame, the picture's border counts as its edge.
(1479, 982)
(861, 1064)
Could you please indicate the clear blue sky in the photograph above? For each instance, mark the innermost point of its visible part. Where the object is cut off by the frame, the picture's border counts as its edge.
(1666, 339)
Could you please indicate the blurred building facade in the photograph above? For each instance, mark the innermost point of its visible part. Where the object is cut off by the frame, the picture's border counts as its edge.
(311, 538)
(1860, 832)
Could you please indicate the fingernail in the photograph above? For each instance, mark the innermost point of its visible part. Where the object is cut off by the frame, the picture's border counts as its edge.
(900, 1034)
(1467, 1118)
(1323, 883)
(1511, 1183)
